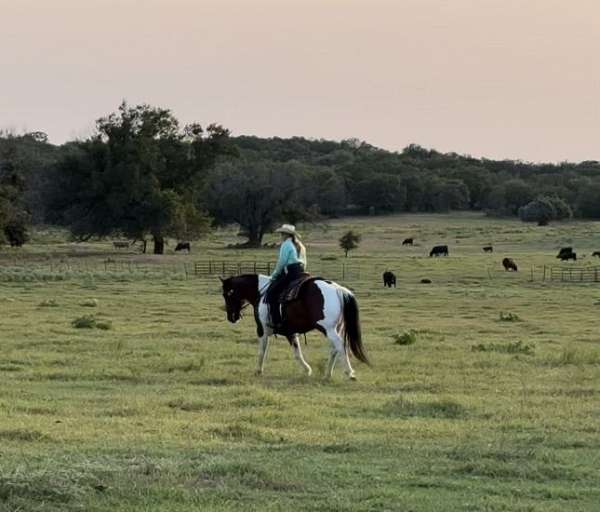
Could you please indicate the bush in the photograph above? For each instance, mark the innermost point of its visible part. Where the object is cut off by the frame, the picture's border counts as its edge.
(90, 322)
(517, 347)
(90, 303)
(544, 209)
(405, 338)
(509, 317)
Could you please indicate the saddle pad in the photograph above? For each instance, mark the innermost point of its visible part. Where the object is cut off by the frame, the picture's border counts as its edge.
(293, 290)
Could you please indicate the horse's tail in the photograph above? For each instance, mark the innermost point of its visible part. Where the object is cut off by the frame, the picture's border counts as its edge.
(352, 331)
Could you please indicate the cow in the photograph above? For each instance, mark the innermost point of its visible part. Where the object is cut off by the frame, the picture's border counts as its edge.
(408, 241)
(596, 253)
(509, 264)
(183, 246)
(563, 251)
(389, 279)
(439, 250)
(488, 248)
(565, 256)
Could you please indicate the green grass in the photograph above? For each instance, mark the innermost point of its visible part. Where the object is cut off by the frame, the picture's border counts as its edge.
(164, 412)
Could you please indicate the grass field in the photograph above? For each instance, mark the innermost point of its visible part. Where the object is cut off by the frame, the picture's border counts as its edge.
(484, 395)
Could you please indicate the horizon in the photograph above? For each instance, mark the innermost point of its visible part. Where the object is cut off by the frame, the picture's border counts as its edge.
(502, 81)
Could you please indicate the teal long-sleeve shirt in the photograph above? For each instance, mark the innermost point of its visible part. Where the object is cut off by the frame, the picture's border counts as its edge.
(287, 256)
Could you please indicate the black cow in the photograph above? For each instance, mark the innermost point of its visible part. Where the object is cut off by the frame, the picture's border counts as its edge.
(509, 264)
(389, 279)
(408, 241)
(596, 253)
(183, 246)
(488, 248)
(563, 251)
(439, 250)
(568, 256)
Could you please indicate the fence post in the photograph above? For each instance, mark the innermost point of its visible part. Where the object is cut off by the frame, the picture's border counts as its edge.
(544, 278)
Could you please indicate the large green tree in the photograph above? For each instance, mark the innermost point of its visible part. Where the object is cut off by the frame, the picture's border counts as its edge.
(139, 175)
(257, 195)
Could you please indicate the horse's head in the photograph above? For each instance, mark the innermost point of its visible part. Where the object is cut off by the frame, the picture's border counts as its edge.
(236, 292)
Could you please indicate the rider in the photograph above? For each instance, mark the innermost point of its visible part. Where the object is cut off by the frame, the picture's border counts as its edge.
(291, 264)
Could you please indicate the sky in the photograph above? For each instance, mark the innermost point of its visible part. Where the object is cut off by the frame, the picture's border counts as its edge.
(516, 79)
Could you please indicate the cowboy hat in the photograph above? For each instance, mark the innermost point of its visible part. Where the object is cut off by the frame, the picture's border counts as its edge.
(288, 229)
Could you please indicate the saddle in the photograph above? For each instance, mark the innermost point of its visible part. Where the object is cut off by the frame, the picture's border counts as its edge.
(293, 289)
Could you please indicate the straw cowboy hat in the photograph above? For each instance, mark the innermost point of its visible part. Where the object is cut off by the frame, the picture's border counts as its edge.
(288, 229)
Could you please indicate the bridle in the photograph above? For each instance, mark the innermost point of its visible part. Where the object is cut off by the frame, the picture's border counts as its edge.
(260, 294)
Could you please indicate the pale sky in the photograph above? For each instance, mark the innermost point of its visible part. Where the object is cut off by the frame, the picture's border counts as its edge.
(497, 78)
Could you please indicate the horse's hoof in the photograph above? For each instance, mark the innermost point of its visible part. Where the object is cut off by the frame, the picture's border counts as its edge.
(258, 373)
(352, 377)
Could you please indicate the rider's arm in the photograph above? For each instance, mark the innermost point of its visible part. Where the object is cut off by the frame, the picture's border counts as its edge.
(284, 257)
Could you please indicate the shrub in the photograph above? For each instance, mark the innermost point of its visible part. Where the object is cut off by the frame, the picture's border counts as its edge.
(509, 317)
(517, 347)
(90, 303)
(48, 303)
(90, 322)
(405, 338)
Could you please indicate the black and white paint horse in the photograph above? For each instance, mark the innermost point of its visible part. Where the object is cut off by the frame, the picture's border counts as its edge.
(321, 305)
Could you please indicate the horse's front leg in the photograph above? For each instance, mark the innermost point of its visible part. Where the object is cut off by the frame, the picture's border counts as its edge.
(263, 345)
(294, 340)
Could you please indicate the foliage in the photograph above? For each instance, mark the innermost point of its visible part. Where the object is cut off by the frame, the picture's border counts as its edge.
(517, 347)
(90, 322)
(545, 209)
(405, 338)
(258, 195)
(349, 241)
(509, 317)
(139, 175)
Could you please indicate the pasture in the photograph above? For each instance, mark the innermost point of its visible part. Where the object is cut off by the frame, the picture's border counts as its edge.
(484, 395)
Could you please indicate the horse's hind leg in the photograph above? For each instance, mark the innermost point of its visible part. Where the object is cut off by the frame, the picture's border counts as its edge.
(263, 345)
(331, 362)
(295, 343)
(340, 349)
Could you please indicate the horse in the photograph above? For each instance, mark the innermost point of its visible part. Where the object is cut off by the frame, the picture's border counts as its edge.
(322, 305)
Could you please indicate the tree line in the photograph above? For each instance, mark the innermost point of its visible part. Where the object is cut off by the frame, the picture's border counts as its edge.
(144, 176)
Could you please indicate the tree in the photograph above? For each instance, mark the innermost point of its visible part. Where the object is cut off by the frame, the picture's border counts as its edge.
(349, 241)
(545, 209)
(257, 196)
(14, 216)
(139, 175)
(383, 191)
(588, 201)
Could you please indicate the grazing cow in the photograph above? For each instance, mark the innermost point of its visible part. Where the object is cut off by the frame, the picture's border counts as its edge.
(425, 281)
(509, 264)
(488, 248)
(389, 279)
(563, 251)
(567, 256)
(120, 245)
(408, 241)
(596, 253)
(183, 245)
(439, 250)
